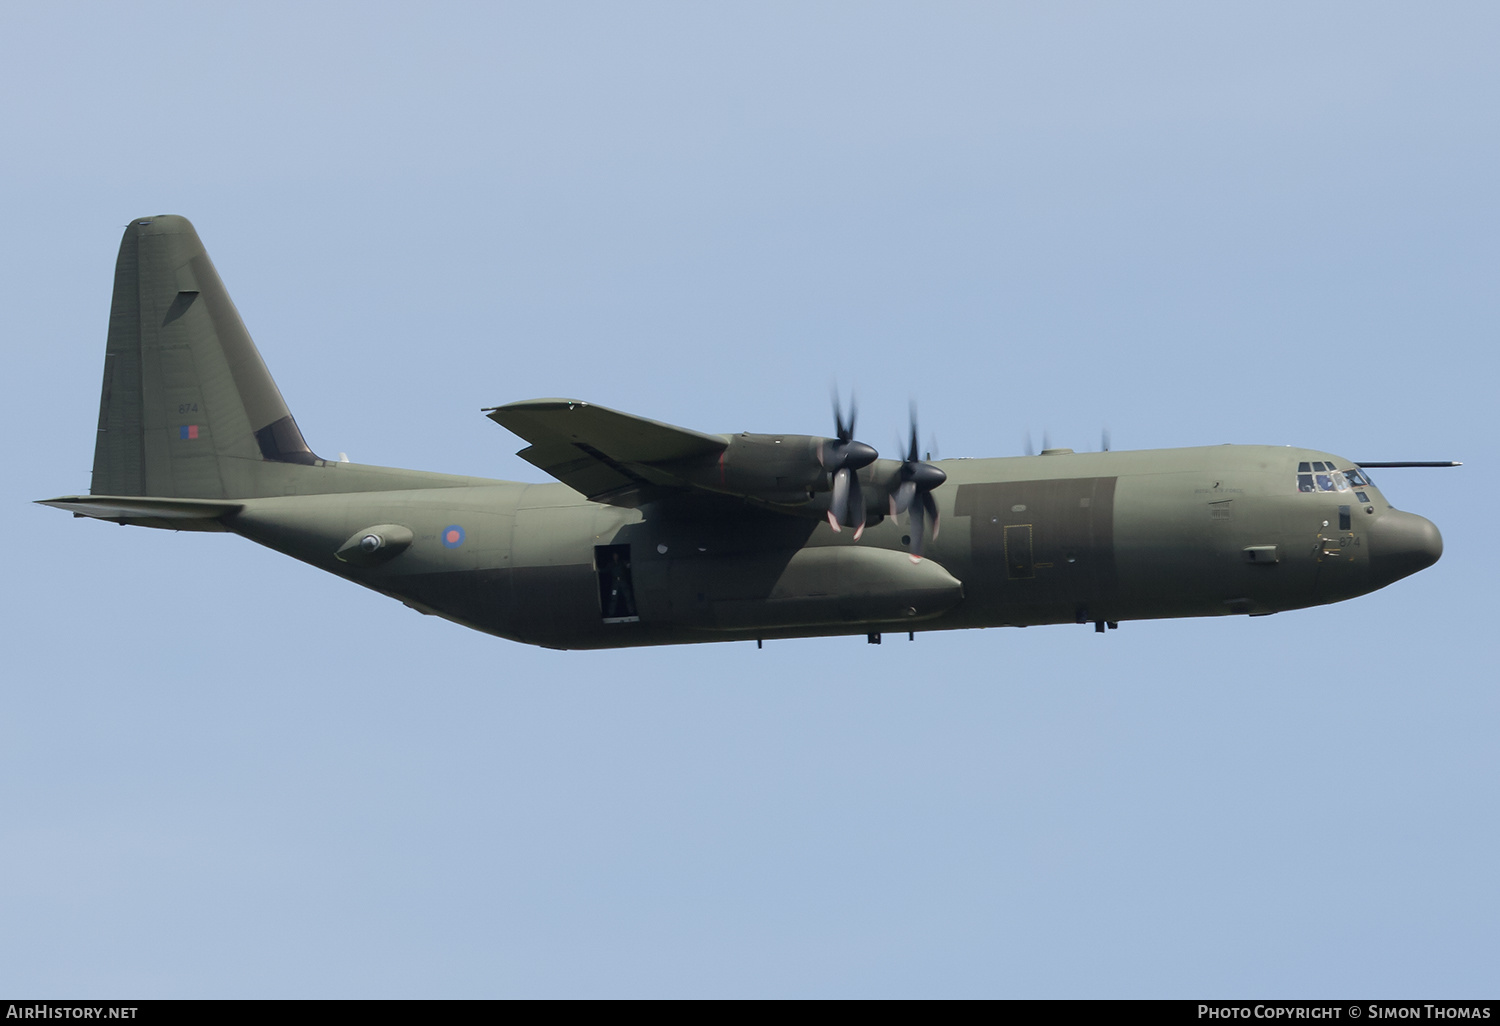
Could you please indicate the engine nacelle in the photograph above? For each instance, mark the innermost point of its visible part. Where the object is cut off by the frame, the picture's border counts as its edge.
(780, 470)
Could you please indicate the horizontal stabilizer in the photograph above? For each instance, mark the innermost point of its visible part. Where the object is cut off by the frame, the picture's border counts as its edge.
(174, 514)
(604, 454)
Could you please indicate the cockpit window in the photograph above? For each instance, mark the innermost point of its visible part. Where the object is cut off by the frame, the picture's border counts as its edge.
(1320, 476)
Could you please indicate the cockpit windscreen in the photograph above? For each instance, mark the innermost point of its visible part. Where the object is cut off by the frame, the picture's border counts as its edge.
(1321, 476)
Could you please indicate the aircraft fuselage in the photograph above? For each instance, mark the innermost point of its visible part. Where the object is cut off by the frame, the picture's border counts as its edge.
(1058, 538)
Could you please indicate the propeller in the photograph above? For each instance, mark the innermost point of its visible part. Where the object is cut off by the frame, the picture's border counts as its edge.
(843, 457)
(914, 484)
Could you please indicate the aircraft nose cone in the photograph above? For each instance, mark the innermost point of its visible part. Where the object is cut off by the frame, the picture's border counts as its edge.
(1401, 544)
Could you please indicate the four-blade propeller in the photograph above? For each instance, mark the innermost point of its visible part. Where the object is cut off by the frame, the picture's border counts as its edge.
(843, 457)
(914, 484)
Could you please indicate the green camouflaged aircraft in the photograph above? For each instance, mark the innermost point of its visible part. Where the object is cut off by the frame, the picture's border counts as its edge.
(661, 535)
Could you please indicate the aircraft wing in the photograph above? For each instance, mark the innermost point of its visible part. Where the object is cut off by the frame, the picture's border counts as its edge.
(604, 454)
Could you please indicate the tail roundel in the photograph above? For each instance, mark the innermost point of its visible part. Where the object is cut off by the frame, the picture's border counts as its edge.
(188, 409)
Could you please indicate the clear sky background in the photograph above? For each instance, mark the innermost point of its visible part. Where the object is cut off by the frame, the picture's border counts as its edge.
(223, 773)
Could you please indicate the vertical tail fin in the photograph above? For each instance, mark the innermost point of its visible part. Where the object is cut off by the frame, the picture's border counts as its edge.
(188, 408)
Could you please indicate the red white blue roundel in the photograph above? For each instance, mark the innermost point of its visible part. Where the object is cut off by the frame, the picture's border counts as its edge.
(452, 536)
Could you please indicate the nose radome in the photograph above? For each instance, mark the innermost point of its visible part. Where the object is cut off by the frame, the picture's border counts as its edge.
(1401, 544)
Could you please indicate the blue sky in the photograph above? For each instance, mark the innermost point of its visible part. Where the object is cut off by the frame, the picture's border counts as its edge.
(225, 774)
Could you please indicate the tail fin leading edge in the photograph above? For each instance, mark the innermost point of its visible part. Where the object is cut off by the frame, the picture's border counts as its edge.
(188, 408)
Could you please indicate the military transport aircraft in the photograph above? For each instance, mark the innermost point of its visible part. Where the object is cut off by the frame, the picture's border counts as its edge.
(661, 535)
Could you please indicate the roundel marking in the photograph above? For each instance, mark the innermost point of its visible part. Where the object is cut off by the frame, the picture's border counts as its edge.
(453, 536)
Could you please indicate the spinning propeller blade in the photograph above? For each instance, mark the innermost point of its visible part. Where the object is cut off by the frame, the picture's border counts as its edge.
(843, 457)
(913, 491)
